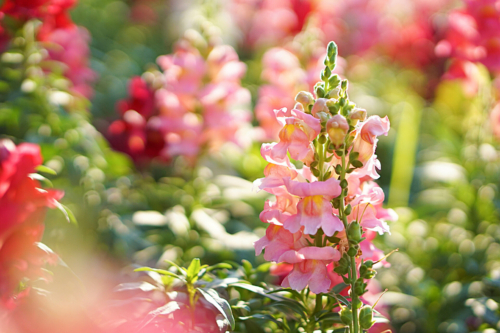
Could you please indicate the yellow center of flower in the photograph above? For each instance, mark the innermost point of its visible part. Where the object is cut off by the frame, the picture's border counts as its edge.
(313, 205)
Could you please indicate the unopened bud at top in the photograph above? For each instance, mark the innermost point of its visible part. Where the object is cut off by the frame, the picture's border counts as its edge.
(304, 98)
(331, 55)
(337, 128)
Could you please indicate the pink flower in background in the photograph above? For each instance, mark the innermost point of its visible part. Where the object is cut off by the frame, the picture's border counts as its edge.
(196, 105)
(22, 203)
(69, 46)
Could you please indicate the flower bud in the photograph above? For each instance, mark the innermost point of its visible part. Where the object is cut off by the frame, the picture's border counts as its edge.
(346, 316)
(305, 98)
(357, 115)
(337, 128)
(319, 106)
(366, 317)
(354, 232)
(299, 107)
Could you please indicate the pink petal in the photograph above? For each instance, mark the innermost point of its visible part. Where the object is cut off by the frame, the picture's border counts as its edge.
(320, 253)
(291, 257)
(329, 188)
(319, 281)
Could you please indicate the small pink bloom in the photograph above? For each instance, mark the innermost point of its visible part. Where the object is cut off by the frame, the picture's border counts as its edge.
(275, 171)
(298, 132)
(366, 140)
(374, 126)
(280, 210)
(309, 268)
(277, 241)
(314, 210)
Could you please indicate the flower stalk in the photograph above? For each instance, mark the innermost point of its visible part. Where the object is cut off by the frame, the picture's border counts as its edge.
(325, 211)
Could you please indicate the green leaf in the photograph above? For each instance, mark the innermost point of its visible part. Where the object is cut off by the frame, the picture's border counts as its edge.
(219, 303)
(339, 287)
(181, 270)
(263, 268)
(340, 298)
(221, 265)
(261, 316)
(193, 269)
(247, 266)
(70, 217)
(159, 271)
(331, 316)
(41, 179)
(45, 169)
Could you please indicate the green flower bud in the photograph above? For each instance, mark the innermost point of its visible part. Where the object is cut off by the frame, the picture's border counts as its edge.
(346, 316)
(343, 85)
(354, 232)
(322, 139)
(338, 169)
(343, 183)
(352, 252)
(368, 263)
(348, 209)
(366, 317)
(334, 81)
(325, 74)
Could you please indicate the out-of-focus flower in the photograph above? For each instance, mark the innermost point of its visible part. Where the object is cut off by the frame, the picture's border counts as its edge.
(199, 105)
(69, 46)
(473, 34)
(22, 205)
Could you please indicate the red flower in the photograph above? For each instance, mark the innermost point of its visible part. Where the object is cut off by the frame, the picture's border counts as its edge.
(22, 211)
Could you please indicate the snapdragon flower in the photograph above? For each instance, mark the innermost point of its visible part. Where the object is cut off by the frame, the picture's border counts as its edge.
(327, 212)
(23, 204)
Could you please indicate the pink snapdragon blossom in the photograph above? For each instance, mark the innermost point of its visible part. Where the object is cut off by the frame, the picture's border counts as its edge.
(299, 129)
(309, 268)
(314, 210)
(277, 241)
(366, 140)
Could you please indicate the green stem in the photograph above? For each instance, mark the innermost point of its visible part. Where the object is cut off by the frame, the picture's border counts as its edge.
(319, 303)
(353, 273)
(354, 297)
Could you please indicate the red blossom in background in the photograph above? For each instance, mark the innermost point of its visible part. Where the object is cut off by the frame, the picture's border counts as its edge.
(473, 34)
(199, 105)
(22, 203)
(66, 43)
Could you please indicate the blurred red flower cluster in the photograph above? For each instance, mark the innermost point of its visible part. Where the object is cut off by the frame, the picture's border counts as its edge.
(66, 42)
(23, 204)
